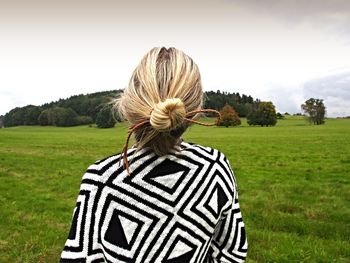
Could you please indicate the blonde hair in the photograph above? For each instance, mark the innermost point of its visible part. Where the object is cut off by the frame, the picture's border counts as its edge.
(164, 90)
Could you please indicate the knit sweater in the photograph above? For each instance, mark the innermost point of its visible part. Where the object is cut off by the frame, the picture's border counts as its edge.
(177, 208)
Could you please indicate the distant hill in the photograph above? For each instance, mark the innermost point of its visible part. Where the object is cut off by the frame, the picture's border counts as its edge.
(83, 108)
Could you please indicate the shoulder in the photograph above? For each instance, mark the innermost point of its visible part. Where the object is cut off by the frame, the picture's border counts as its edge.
(212, 155)
(217, 166)
(102, 169)
(103, 164)
(205, 152)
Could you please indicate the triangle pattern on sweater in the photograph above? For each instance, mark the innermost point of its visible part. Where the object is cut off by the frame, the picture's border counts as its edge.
(168, 180)
(181, 251)
(129, 228)
(122, 230)
(213, 203)
(167, 175)
(216, 200)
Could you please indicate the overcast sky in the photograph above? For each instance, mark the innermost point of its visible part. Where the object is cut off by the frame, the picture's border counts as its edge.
(283, 51)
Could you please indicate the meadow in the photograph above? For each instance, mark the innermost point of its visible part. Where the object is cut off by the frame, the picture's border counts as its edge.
(293, 182)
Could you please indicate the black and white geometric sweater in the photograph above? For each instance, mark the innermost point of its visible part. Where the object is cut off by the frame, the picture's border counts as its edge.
(178, 208)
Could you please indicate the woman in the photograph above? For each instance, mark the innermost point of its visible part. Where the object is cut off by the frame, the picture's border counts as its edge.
(171, 200)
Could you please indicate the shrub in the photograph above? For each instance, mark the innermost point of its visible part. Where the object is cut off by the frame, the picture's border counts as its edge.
(82, 120)
(229, 117)
(263, 114)
(104, 118)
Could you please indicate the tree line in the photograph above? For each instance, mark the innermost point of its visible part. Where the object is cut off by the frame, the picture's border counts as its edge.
(95, 108)
(242, 104)
(75, 110)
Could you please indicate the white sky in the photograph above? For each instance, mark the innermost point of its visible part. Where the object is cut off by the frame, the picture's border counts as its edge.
(272, 50)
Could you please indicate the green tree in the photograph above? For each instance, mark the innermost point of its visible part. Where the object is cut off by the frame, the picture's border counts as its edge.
(63, 117)
(82, 120)
(279, 115)
(31, 114)
(14, 117)
(43, 118)
(217, 100)
(229, 117)
(104, 118)
(58, 116)
(314, 110)
(263, 114)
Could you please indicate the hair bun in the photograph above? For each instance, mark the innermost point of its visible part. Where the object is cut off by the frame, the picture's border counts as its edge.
(167, 115)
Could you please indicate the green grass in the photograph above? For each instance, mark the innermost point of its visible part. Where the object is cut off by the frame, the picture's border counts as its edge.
(293, 182)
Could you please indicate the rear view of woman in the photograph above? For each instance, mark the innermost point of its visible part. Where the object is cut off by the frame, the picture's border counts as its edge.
(163, 199)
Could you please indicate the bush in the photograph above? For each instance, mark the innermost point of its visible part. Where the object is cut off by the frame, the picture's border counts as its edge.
(279, 115)
(82, 120)
(104, 118)
(229, 117)
(263, 114)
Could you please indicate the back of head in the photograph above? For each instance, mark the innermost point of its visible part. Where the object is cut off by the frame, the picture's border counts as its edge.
(162, 89)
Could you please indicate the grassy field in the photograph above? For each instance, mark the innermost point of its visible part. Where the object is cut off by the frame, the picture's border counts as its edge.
(293, 179)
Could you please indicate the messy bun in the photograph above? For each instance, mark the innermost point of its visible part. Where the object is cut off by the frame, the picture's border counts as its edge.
(168, 114)
(163, 87)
